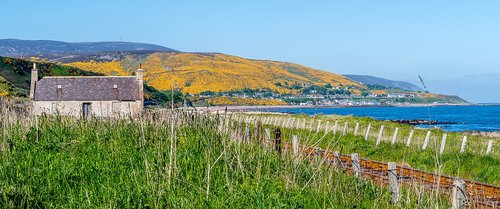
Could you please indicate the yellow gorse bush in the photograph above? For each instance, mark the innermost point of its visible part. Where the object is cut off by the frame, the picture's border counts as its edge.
(107, 68)
(378, 92)
(199, 72)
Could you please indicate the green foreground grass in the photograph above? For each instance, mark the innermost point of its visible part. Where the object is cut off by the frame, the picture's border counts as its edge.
(125, 163)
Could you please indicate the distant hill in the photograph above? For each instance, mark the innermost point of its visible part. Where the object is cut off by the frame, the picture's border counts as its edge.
(372, 80)
(18, 48)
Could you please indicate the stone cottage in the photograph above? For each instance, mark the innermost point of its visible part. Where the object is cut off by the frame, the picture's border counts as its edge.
(99, 96)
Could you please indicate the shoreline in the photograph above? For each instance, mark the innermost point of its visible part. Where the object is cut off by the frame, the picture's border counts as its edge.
(260, 109)
(270, 107)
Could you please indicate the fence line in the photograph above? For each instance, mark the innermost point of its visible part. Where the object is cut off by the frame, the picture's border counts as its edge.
(468, 193)
(289, 122)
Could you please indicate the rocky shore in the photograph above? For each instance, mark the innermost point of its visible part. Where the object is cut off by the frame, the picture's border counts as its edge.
(422, 122)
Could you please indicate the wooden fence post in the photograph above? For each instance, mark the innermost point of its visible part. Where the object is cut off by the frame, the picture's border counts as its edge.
(326, 126)
(490, 145)
(220, 123)
(258, 131)
(335, 127)
(319, 126)
(380, 133)
(240, 129)
(295, 145)
(464, 142)
(356, 128)
(304, 123)
(345, 128)
(233, 127)
(426, 141)
(311, 125)
(368, 131)
(226, 125)
(395, 135)
(287, 125)
(393, 182)
(247, 133)
(268, 137)
(336, 160)
(355, 164)
(409, 138)
(459, 197)
(443, 144)
(277, 141)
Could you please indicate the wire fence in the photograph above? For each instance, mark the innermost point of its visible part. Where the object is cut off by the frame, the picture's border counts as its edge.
(473, 194)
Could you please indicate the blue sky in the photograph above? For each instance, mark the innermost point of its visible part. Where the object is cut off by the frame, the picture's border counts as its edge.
(454, 45)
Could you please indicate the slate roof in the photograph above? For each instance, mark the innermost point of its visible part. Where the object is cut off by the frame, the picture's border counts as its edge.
(90, 88)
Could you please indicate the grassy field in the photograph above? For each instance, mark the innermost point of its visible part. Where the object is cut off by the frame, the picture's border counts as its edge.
(473, 164)
(56, 162)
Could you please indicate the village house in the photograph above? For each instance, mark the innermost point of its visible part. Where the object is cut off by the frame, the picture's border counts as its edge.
(99, 96)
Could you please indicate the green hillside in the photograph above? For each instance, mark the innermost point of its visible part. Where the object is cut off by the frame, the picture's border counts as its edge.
(15, 74)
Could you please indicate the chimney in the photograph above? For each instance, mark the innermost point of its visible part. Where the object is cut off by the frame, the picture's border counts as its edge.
(139, 76)
(34, 79)
(139, 73)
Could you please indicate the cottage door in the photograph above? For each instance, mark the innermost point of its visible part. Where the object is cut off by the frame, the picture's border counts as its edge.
(86, 109)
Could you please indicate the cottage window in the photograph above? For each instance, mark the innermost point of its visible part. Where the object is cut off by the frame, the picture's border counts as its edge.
(86, 108)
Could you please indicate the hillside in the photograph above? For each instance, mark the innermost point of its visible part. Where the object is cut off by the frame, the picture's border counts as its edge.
(15, 74)
(209, 75)
(18, 48)
(198, 72)
(372, 80)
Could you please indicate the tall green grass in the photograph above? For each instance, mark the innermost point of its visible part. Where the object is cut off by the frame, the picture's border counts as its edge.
(58, 162)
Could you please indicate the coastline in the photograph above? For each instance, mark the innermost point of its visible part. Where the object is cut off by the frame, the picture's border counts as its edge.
(494, 134)
(270, 107)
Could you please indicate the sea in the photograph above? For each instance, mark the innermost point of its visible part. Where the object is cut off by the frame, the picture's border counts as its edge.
(484, 118)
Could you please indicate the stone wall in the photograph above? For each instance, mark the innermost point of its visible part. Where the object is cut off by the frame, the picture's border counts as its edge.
(97, 108)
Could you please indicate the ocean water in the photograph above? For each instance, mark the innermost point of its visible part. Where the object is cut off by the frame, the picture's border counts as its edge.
(467, 118)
